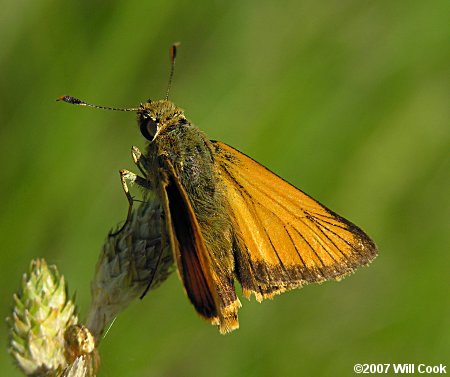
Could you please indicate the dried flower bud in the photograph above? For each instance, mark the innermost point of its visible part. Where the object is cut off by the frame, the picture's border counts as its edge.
(79, 342)
(131, 262)
(80, 351)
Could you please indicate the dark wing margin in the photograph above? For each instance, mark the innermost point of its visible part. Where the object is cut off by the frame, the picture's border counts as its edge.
(284, 239)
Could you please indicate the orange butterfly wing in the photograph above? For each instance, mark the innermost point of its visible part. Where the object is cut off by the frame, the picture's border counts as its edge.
(284, 238)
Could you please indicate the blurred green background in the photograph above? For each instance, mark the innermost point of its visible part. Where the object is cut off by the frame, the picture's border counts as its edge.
(348, 100)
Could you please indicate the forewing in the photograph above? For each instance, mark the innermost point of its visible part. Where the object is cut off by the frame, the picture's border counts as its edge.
(189, 247)
(284, 238)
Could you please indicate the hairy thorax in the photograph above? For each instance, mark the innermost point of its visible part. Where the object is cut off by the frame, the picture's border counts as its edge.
(190, 153)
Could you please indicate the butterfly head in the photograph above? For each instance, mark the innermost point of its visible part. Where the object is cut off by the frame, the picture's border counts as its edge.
(155, 116)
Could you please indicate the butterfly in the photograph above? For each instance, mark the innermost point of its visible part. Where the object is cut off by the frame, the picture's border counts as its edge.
(228, 218)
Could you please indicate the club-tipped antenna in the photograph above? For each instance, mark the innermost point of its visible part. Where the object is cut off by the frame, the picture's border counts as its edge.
(173, 56)
(76, 101)
(79, 102)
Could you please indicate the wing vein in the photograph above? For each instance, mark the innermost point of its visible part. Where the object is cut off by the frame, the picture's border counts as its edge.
(320, 227)
(310, 246)
(295, 246)
(317, 221)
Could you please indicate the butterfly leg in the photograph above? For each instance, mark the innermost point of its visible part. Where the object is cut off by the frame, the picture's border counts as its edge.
(128, 176)
(139, 160)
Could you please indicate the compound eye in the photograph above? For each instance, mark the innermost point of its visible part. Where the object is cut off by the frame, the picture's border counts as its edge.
(148, 127)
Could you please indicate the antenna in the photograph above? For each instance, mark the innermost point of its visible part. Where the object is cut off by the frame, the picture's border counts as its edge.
(173, 56)
(76, 101)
